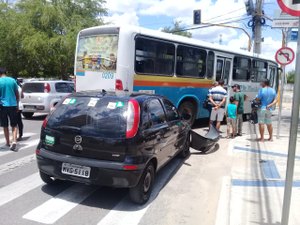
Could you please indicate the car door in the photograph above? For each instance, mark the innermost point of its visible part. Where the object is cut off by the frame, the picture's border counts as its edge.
(160, 130)
(177, 137)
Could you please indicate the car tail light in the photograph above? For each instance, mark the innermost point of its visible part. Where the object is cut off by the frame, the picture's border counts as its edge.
(47, 88)
(37, 151)
(130, 167)
(119, 85)
(45, 122)
(133, 118)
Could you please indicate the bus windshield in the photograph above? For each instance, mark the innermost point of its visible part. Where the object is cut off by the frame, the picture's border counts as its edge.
(97, 53)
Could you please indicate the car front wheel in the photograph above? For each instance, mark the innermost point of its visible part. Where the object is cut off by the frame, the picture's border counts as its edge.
(140, 194)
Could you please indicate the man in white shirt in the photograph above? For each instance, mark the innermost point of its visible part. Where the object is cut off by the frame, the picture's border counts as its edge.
(217, 97)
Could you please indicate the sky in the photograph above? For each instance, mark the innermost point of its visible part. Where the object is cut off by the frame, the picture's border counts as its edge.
(156, 14)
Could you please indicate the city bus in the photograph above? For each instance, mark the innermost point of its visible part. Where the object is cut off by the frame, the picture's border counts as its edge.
(136, 59)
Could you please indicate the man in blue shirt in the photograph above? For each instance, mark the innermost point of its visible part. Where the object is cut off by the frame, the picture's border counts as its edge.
(9, 97)
(267, 98)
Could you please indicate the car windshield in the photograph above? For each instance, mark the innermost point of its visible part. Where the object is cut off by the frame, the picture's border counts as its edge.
(98, 117)
(33, 88)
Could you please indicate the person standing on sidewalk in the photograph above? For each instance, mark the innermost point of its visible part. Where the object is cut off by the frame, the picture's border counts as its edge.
(9, 98)
(239, 101)
(217, 96)
(231, 118)
(267, 98)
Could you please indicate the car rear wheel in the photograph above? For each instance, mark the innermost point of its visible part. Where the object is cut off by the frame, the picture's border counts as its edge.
(140, 194)
(27, 115)
(189, 108)
(46, 178)
(185, 152)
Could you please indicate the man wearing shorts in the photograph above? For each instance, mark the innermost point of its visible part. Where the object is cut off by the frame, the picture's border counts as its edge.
(9, 99)
(217, 96)
(267, 98)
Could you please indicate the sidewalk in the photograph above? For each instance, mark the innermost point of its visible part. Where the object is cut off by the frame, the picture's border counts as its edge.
(254, 192)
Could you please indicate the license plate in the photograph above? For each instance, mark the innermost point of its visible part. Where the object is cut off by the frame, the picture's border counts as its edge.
(29, 107)
(76, 170)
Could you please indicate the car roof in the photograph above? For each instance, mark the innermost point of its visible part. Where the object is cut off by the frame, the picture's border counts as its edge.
(48, 81)
(139, 96)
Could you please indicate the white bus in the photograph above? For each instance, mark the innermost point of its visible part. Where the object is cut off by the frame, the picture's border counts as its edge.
(182, 69)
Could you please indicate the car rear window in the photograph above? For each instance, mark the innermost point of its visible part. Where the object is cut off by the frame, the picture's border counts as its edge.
(63, 87)
(96, 117)
(33, 88)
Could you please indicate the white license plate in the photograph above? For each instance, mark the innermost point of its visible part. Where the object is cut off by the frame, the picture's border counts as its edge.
(76, 170)
(28, 107)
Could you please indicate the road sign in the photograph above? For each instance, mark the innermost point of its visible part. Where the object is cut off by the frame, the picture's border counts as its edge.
(291, 7)
(284, 56)
(284, 23)
(293, 35)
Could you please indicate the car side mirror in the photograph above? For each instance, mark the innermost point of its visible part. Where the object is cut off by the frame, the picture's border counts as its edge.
(186, 116)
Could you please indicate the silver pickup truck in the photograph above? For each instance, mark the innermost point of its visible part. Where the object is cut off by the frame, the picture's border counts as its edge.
(41, 96)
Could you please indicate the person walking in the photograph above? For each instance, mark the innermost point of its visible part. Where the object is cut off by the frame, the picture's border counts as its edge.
(239, 101)
(9, 98)
(19, 113)
(267, 97)
(231, 118)
(217, 97)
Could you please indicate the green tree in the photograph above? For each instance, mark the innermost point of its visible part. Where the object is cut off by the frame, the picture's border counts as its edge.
(38, 37)
(291, 77)
(177, 28)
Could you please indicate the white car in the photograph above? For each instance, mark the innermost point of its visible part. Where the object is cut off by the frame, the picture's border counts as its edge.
(41, 96)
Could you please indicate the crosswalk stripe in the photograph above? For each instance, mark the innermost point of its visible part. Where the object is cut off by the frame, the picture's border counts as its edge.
(26, 134)
(55, 208)
(27, 145)
(7, 167)
(129, 214)
(19, 188)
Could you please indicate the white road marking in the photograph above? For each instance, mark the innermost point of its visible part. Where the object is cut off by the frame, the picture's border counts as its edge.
(7, 167)
(19, 188)
(222, 217)
(55, 208)
(27, 134)
(127, 213)
(27, 145)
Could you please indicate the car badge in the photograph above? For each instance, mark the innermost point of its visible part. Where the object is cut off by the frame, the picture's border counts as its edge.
(78, 139)
(77, 146)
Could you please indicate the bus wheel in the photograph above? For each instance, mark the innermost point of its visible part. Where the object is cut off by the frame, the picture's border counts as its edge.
(189, 108)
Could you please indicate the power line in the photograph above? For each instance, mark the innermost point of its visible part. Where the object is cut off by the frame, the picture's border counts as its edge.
(209, 20)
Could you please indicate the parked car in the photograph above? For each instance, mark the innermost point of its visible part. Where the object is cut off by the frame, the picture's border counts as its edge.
(110, 139)
(41, 96)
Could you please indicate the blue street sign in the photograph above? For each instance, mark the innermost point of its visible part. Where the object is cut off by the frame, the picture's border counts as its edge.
(294, 35)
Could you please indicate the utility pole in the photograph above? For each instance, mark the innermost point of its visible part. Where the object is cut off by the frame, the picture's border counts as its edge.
(257, 20)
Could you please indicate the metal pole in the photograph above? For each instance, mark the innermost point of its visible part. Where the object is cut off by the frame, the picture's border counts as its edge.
(282, 83)
(292, 141)
(280, 102)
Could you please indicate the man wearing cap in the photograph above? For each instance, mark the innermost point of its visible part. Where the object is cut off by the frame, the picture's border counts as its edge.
(9, 100)
(217, 97)
(239, 101)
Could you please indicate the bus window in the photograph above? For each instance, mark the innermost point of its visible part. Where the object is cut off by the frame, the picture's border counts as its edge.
(241, 69)
(259, 70)
(191, 62)
(154, 57)
(210, 64)
(220, 64)
(272, 76)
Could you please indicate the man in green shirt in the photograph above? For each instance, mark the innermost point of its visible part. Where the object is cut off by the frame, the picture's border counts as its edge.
(239, 101)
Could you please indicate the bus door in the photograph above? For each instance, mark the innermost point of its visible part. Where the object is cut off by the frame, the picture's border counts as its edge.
(273, 77)
(223, 68)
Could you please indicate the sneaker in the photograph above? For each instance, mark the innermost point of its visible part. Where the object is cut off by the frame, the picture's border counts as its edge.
(13, 146)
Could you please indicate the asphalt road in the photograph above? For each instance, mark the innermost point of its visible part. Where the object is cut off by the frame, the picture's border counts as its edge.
(185, 192)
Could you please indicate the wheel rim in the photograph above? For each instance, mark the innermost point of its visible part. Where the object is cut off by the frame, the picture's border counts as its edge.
(147, 182)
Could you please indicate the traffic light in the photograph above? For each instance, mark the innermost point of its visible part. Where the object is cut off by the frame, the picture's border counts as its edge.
(197, 17)
(249, 7)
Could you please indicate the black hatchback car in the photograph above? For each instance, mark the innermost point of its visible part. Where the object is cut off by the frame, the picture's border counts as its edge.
(109, 139)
